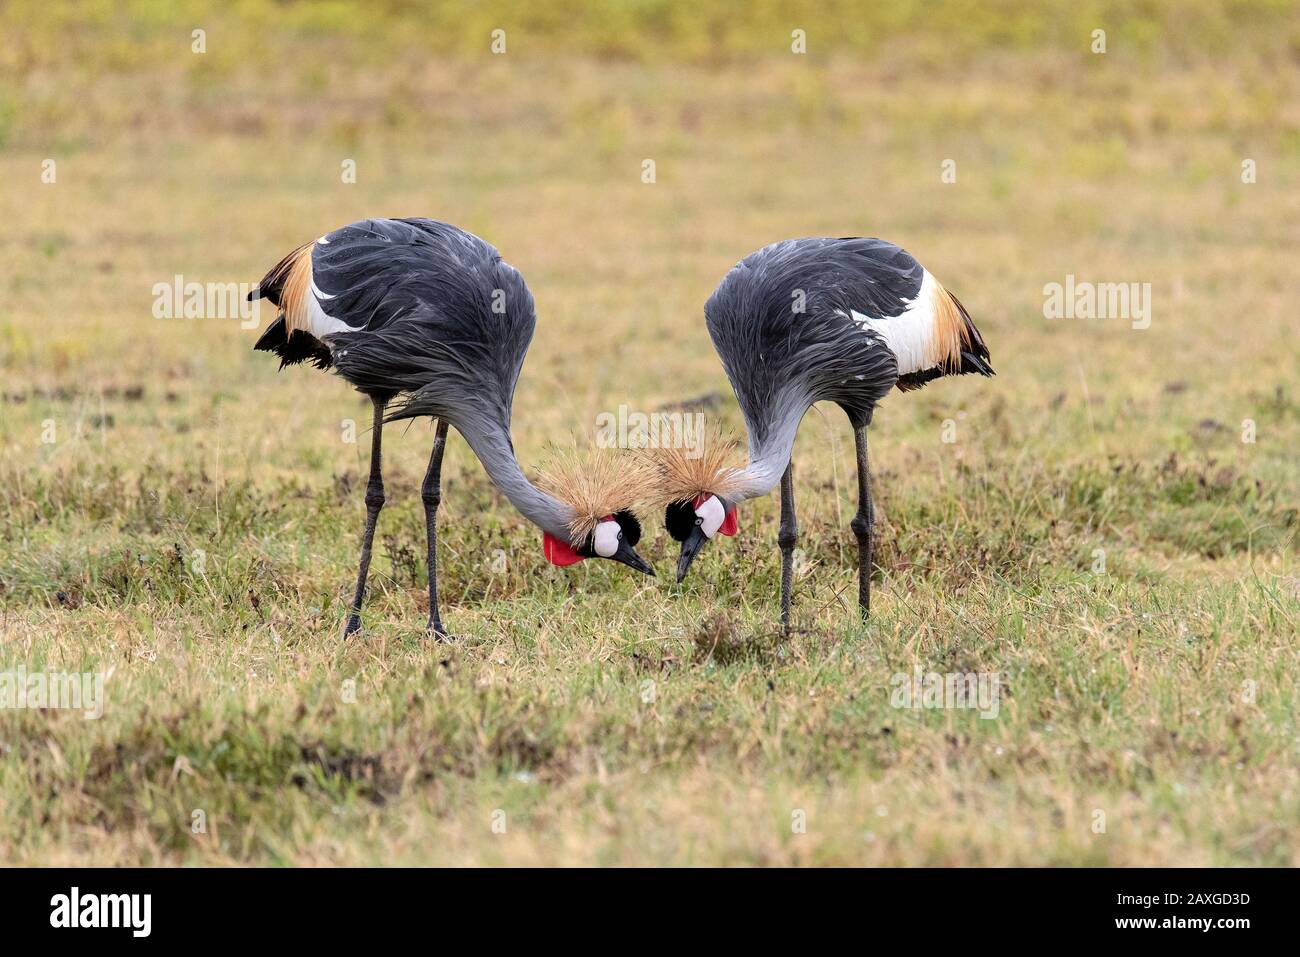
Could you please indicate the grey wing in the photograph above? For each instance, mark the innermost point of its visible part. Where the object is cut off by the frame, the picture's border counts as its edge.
(779, 323)
(441, 318)
(369, 273)
(870, 276)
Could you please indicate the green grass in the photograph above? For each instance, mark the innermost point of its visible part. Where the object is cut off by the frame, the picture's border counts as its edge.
(1098, 534)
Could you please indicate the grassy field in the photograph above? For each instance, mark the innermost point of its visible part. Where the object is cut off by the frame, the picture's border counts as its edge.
(1109, 526)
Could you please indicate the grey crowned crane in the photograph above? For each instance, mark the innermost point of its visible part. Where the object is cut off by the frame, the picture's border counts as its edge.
(430, 315)
(806, 321)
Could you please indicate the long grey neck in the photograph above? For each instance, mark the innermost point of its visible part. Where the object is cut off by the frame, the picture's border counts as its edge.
(769, 456)
(491, 443)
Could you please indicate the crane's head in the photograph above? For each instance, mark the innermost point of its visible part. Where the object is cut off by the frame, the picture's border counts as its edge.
(614, 537)
(701, 486)
(594, 494)
(695, 521)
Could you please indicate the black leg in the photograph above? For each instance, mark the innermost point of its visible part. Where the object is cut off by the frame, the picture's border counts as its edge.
(786, 537)
(374, 502)
(431, 493)
(864, 523)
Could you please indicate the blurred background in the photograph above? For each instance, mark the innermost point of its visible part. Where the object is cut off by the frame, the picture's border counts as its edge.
(1123, 166)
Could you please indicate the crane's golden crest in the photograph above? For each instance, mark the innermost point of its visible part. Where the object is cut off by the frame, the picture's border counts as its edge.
(596, 484)
(684, 473)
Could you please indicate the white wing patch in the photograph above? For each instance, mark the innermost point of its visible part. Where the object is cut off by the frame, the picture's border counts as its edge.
(319, 322)
(910, 334)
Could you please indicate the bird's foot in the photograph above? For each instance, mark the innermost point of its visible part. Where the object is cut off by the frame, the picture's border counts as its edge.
(353, 625)
(438, 633)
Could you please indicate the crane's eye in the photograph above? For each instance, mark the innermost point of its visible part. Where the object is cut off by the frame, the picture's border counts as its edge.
(699, 519)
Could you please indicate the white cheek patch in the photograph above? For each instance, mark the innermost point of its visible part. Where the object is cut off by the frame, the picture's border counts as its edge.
(711, 515)
(605, 539)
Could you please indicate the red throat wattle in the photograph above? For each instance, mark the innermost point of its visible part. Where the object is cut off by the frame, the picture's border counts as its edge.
(559, 552)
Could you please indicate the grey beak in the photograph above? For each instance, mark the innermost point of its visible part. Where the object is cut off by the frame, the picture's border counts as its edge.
(690, 548)
(628, 556)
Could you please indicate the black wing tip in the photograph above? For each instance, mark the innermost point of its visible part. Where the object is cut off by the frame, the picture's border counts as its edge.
(978, 363)
(272, 338)
(979, 359)
(292, 349)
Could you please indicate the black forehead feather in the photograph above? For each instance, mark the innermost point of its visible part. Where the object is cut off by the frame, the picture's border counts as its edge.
(679, 519)
(630, 526)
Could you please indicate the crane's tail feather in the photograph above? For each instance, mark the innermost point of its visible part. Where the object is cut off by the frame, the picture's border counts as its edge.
(293, 347)
(962, 347)
(285, 287)
(272, 338)
(974, 363)
(956, 335)
(271, 288)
